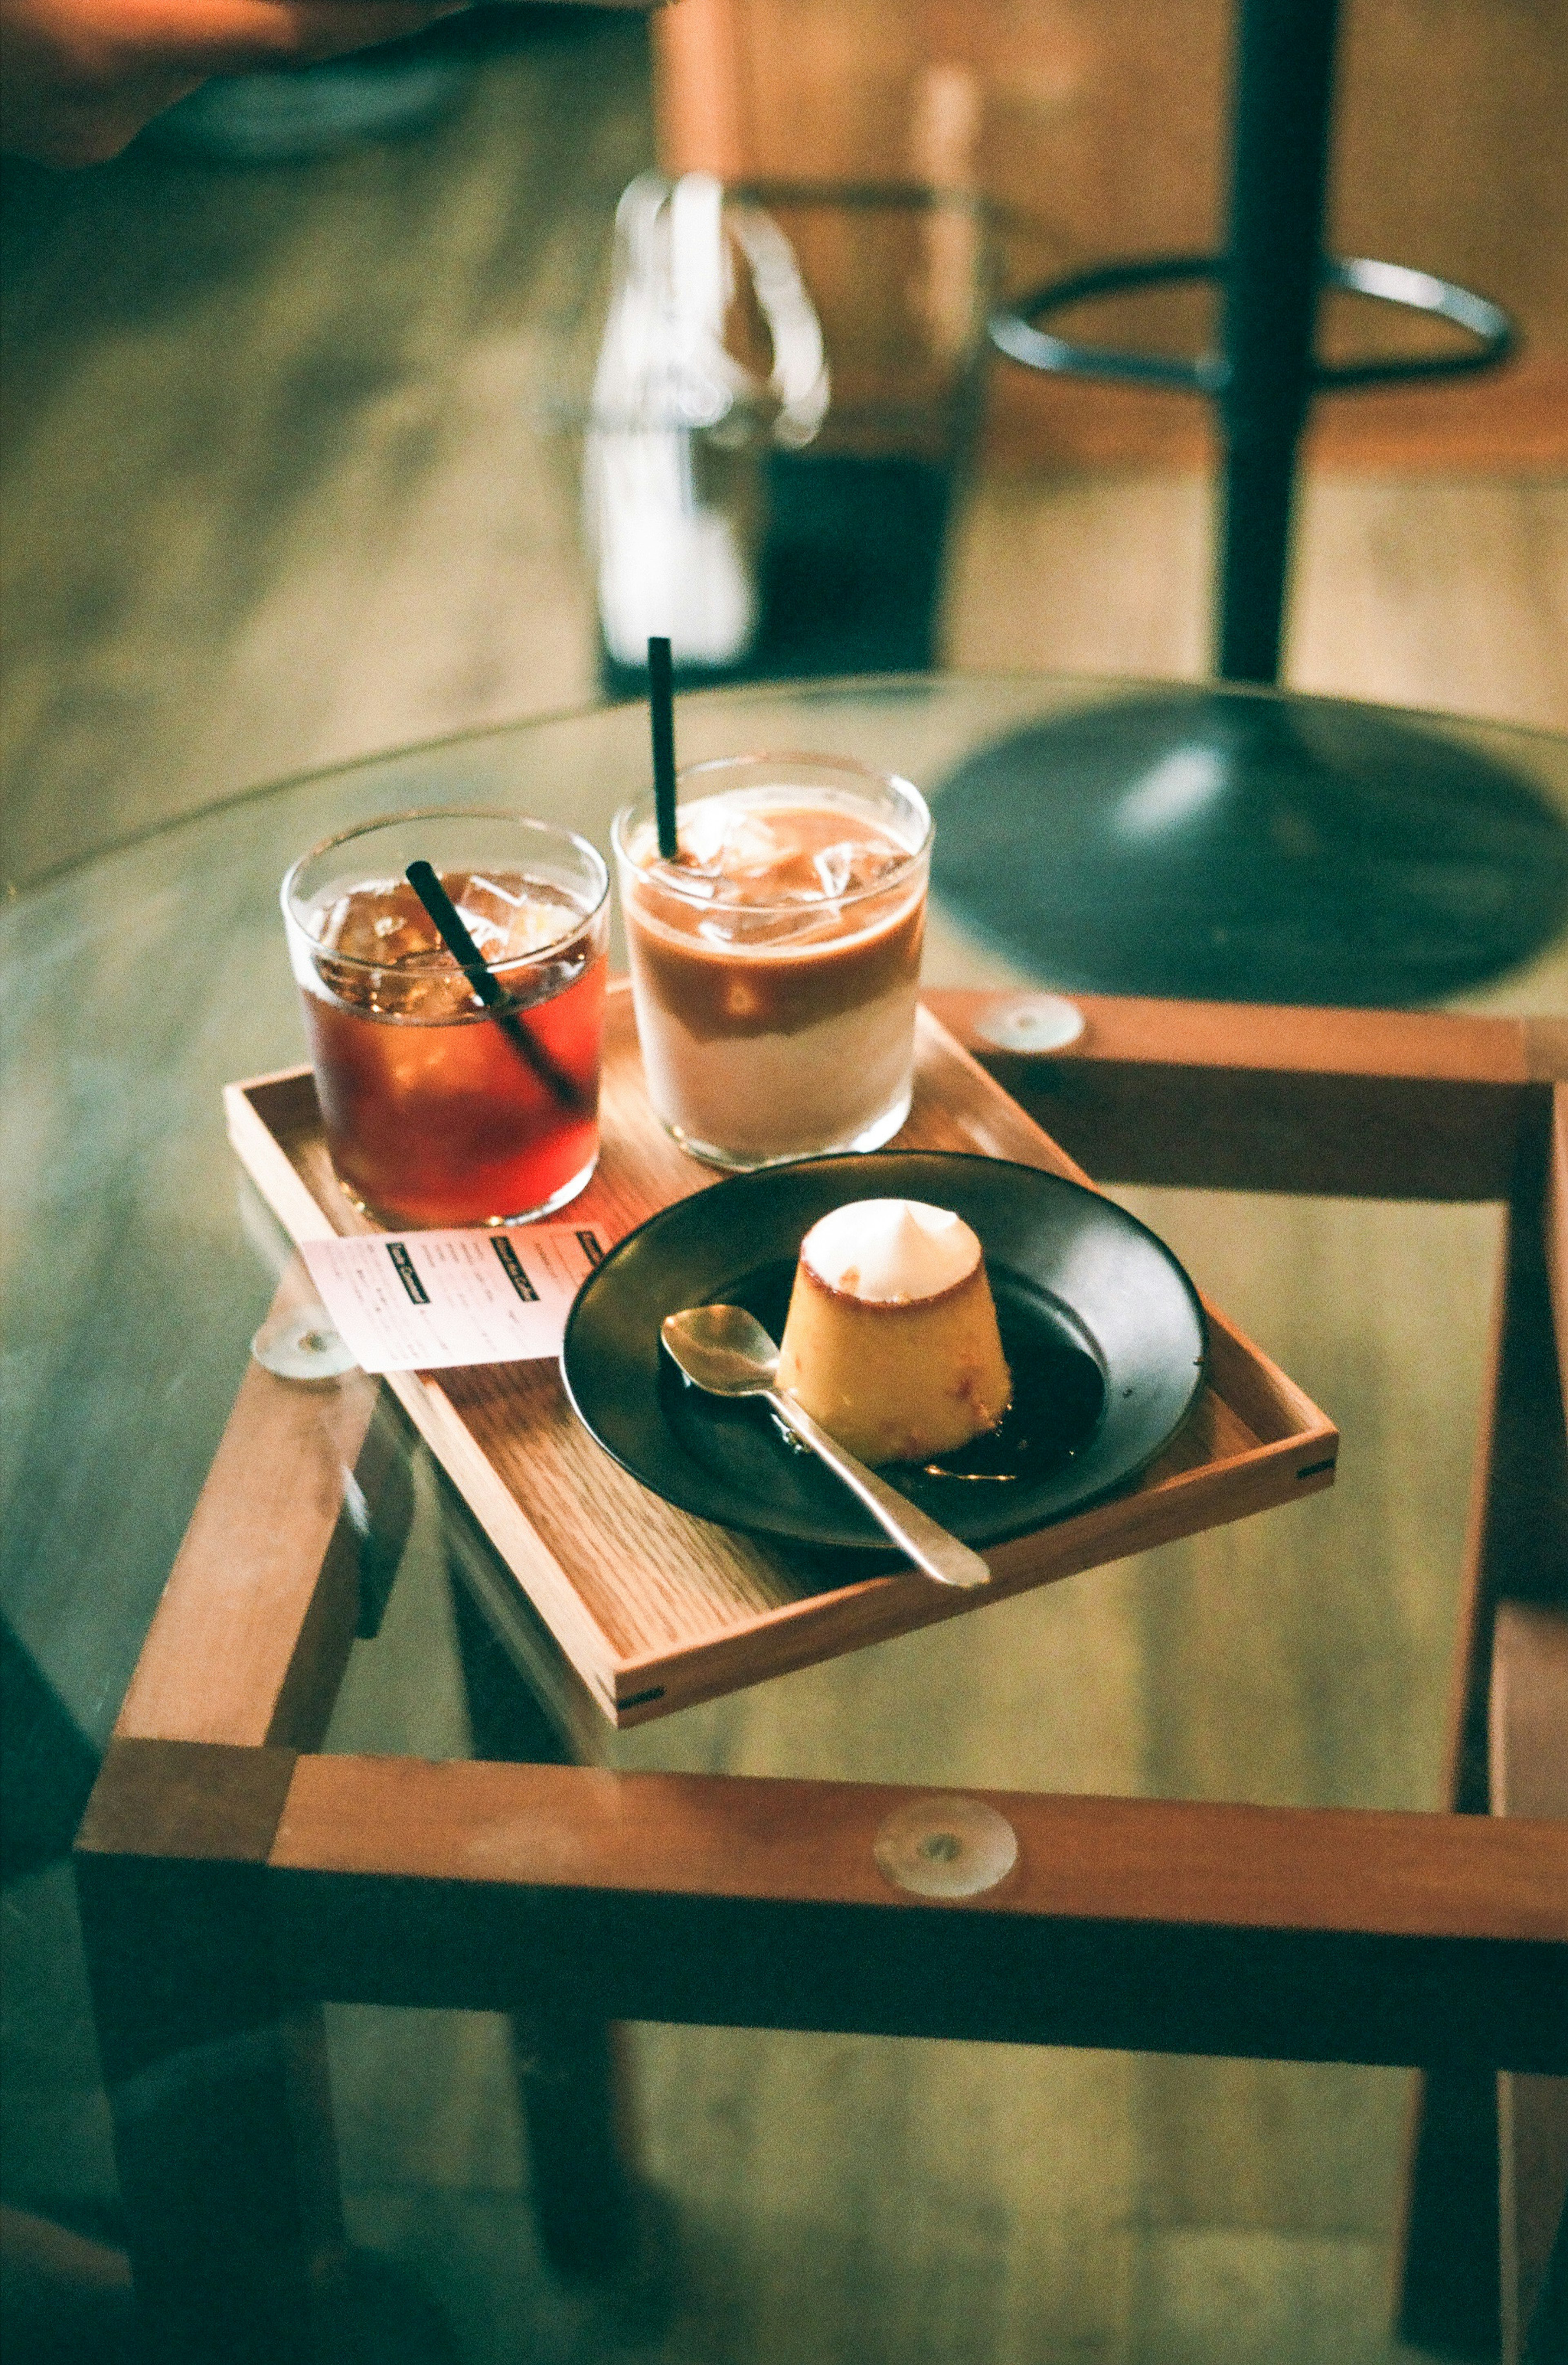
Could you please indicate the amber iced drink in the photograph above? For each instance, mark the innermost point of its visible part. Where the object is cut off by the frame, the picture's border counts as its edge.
(437, 1110)
(774, 963)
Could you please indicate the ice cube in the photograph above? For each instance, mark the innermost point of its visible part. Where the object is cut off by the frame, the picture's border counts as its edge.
(701, 835)
(753, 848)
(698, 887)
(867, 862)
(702, 859)
(391, 958)
(424, 995)
(834, 868)
(383, 922)
(507, 915)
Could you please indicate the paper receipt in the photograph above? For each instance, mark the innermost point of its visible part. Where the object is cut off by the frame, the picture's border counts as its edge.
(430, 1300)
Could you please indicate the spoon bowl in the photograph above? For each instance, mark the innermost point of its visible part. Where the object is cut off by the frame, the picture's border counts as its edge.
(725, 1350)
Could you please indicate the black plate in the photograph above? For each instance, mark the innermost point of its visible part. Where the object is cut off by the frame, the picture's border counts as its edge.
(1101, 1329)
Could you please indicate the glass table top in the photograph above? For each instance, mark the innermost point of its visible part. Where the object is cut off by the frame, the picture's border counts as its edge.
(1299, 1657)
(997, 2201)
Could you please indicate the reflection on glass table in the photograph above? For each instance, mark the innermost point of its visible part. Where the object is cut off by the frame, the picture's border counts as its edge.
(1297, 1661)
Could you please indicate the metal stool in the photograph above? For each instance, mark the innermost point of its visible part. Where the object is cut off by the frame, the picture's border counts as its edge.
(1208, 843)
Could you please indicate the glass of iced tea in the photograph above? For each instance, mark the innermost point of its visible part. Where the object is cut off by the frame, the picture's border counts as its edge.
(440, 1110)
(776, 962)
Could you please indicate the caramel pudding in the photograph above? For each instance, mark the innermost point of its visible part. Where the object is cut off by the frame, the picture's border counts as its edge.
(891, 1339)
(775, 965)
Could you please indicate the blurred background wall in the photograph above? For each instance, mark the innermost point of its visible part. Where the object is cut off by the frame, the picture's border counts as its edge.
(278, 484)
(278, 487)
(1096, 127)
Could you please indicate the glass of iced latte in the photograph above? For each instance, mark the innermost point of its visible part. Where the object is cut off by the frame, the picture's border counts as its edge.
(775, 962)
(444, 1106)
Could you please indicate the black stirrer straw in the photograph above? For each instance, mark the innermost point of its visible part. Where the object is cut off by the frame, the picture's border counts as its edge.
(490, 989)
(661, 704)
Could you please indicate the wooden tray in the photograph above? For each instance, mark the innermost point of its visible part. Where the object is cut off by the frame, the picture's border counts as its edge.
(656, 1608)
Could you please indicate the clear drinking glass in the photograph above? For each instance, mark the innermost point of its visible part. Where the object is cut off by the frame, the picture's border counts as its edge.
(438, 1110)
(775, 966)
(777, 396)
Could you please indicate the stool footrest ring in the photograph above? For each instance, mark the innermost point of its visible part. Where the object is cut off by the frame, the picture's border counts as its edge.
(1014, 332)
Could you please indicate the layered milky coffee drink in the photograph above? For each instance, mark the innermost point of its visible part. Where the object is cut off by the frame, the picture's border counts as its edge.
(775, 962)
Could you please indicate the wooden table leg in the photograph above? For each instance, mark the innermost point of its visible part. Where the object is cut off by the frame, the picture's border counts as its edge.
(1451, 2293)
(1530, 1777)
(573, 2073)
(222, 2121)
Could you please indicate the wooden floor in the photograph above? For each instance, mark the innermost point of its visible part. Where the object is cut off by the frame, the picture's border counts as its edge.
(275, 492)
(1412, 590)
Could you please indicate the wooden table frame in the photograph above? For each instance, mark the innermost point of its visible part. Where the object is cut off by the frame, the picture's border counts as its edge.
(231, 1880)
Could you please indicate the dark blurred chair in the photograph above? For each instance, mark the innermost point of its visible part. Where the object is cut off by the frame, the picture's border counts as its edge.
(64, 2297)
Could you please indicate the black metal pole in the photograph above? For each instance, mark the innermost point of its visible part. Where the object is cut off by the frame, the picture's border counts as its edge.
(1214, 843)
(1284, 71)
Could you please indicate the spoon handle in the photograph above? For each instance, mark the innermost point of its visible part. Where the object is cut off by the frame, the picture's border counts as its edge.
(934, 1552)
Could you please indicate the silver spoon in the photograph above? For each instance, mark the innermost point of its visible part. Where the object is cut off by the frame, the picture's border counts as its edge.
(727, 1352)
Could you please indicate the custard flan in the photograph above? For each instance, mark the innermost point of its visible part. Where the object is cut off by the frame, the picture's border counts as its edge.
(891, 1340)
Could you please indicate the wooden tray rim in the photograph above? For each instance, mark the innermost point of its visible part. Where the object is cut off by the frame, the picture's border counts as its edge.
(633, 1688)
